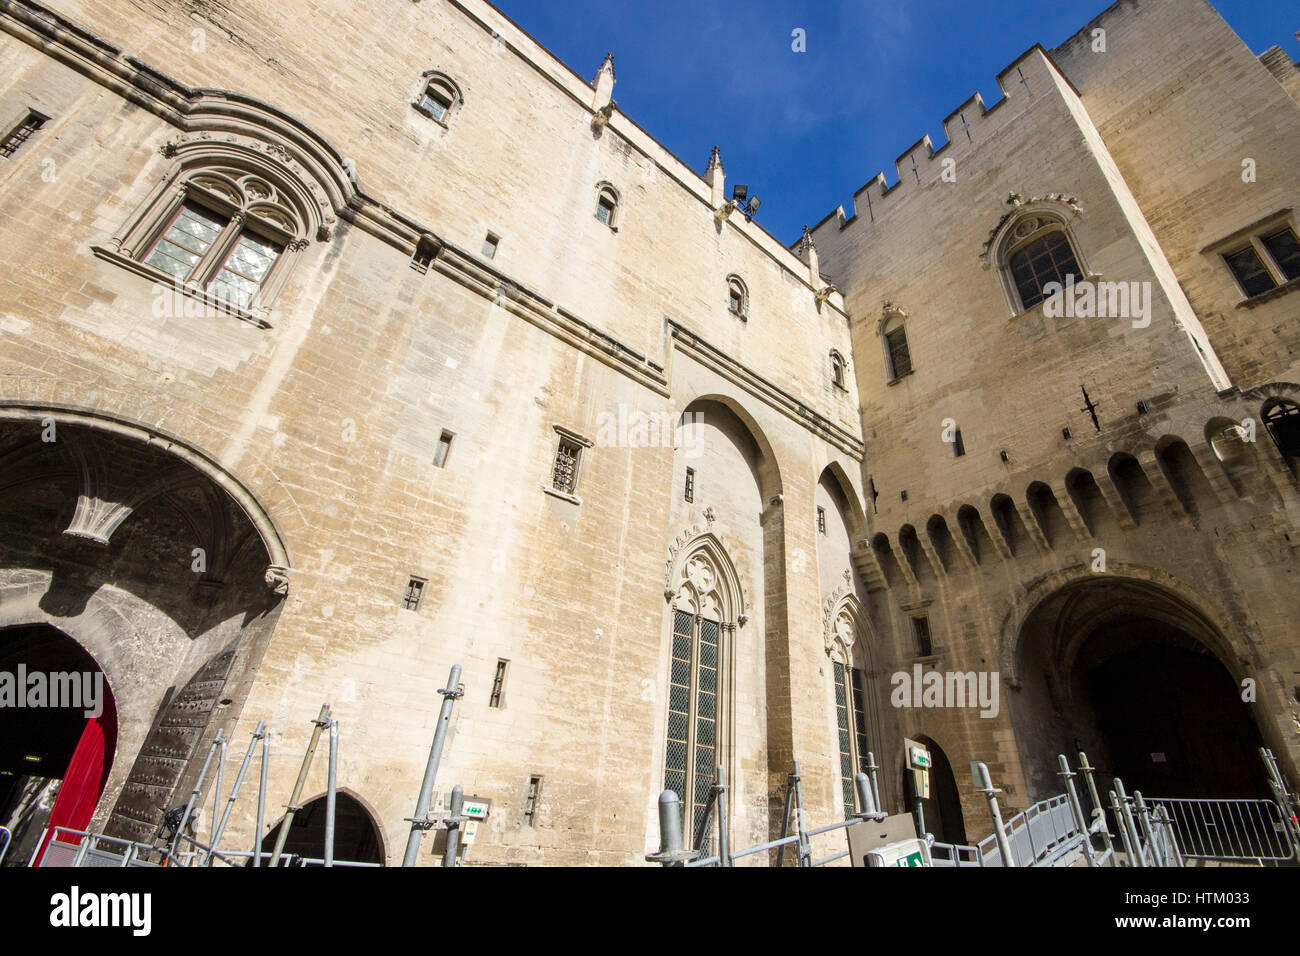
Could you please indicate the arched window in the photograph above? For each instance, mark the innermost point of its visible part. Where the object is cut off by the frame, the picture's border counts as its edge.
(705, 614)
(1038, 252)
(737, 297)
(838, 366)
(439, 98)
(1282, 419)
(898, 356)
(607, 205)
(850, 703)
(224, 229)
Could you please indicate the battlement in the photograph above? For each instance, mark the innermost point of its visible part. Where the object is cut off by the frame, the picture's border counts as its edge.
(965, 129)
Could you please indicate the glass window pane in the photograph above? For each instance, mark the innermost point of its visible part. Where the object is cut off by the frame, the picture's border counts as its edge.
(1285, 250)
(1250, 272)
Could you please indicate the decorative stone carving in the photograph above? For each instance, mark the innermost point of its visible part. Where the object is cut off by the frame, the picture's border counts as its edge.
(277, 579)
(1017, 203)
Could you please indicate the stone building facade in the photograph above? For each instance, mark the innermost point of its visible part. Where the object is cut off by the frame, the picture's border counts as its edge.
(339, 349)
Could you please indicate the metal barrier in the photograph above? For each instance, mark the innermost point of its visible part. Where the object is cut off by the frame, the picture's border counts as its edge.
(1039, 836)
(673, 853)
(86, 851)
(1231, 831)
(5, 839)
(955, 856)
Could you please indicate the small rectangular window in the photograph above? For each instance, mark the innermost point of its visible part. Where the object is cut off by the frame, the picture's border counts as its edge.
(958, 446)
(921, 631)
(443, 449)
(565, 475)
(21, 133)
(490, 246)
(436, 103)
(1285, 250)
(498, 684)
(690, 484)
(414, 591)
(900, 358)
(821, 520)
(605, 211)
(423, 258)
(530, 802)
(1250, 271)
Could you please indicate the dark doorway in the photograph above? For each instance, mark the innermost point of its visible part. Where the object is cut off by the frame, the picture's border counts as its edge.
(54, 760)
(356, 839)
(1175, 724)
(942, 809)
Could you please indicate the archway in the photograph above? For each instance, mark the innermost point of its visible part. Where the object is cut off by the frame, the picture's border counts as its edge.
(1134, 675)
(58, 735)
(356, 838)
(941, 810)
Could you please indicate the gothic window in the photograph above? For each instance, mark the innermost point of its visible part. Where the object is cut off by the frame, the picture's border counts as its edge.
(704, 621)
(607, 205)
(218, 231)
(439, 98)
(1041, 254)
(898, 357)
(838, 366)
(850, 708)
(737, 297)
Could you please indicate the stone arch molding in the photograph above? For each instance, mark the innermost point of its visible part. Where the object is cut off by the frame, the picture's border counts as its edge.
(702, 579)
(845, 624)
(103, 505)
(1055, 208)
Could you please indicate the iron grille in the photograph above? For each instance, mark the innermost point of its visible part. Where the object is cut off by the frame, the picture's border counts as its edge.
(566, 466)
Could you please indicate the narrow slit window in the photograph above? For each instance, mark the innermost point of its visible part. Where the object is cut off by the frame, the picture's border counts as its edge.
(958, 446)
(443, 450)
(690, 484)
(900, 357)
(21, 133)
(423, 257)
(498, 685)
(921, 631)
(821, 521)
(414, 592)
(490, 245)
(530, 801)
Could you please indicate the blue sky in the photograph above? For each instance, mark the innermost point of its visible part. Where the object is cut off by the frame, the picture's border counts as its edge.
(806, 130)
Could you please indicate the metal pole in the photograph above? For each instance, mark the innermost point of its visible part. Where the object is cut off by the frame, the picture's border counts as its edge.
(291, 809)
(1153, 843)
(420, 821)
(331, 793)
(671, 852)
(1123, 830)
(234, 791)
(785, 818)
(261, 802)
(866, 799)
(1079, 819)
(805, 850)
(984, 785)
(194, 795)
(875, 787)
(1098, 806)
(453, 826)
(221, 776)
(724, 859)
(917, 809)
(1129, 823)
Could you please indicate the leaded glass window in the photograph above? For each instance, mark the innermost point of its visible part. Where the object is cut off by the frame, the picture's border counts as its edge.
(1050, 258)
(851, 730)
(693, 691)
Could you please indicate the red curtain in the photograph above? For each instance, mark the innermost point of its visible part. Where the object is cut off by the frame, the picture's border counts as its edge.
(85, 777)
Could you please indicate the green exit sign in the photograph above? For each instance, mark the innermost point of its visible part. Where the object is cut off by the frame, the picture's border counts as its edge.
(912, 859)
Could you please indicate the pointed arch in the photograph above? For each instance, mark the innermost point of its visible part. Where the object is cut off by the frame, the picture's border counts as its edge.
(703, 580)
